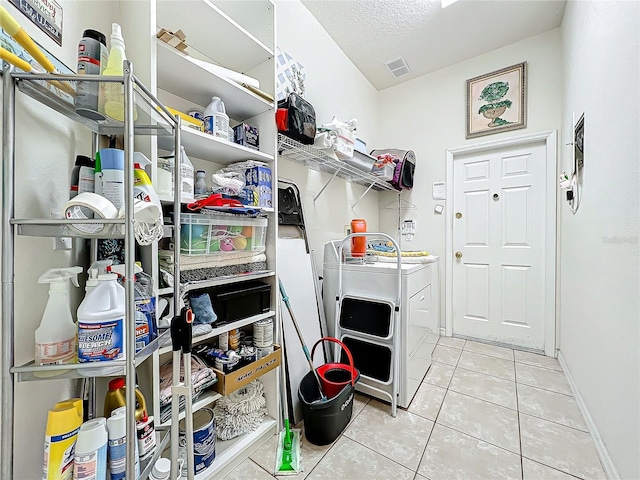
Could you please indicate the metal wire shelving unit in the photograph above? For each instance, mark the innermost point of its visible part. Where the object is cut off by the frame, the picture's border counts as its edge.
(143, 114)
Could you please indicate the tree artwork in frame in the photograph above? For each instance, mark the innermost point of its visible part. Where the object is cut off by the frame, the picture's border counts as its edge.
(497, 101)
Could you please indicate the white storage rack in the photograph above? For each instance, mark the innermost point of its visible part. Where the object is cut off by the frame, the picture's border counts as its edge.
(153, 119)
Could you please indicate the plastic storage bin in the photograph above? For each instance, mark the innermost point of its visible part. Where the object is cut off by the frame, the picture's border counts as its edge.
(218, 235)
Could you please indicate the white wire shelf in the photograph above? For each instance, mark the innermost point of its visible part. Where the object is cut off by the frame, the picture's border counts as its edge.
(317, 160)
(224, 328)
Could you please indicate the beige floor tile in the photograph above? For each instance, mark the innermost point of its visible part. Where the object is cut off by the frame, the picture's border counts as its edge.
(454, 455)
(427, 401)
(489, 422)
(402, 439)
(485, 387)
(535, 471)
(439, 374)
(452, 342)
(248, 470)
(542, 378)
(265, 456)
(446, 355)
(497, 367)
(350, 460)
(491, 350)
(537, 360)
(563, 448)
(552, 406)
(359, 402)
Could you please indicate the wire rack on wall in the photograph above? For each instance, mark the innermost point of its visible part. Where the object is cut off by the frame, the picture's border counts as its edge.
(318, 160)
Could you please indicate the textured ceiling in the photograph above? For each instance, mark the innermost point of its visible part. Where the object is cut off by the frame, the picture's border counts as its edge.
(429, 37)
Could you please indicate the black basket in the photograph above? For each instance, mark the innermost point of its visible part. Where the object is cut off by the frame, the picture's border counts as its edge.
(324, 420)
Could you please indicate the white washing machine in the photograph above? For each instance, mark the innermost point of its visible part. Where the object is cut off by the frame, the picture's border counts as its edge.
(371, 289)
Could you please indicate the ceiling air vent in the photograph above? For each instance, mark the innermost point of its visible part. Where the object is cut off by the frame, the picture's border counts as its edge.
(398, 67)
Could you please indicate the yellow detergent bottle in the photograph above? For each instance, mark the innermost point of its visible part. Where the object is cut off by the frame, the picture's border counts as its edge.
(112, 98)
(63, 423)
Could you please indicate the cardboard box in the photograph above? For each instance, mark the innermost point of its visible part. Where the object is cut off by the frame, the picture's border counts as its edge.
(246, 135)
(230, 382)
(177, 40)
(258, 190)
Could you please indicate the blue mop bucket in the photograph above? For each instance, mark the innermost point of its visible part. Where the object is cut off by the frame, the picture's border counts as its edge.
(325, 420)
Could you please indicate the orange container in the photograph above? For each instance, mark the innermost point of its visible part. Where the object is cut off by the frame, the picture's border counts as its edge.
(358, 244)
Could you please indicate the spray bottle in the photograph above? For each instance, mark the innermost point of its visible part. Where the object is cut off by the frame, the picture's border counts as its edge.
(97, 268)
(142, 186)
(112, 101)
(56, 336)
(117, 429)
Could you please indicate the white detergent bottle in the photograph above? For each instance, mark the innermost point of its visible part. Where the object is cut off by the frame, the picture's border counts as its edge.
(216, 121)
(142, 186)
(101, 326)
(56, 336)
(117, 428)
(90, 456)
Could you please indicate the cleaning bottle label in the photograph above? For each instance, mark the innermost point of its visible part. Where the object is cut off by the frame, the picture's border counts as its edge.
(55, 353)
(58, 456)
(118, 458)
(91, 465)
(99, 342)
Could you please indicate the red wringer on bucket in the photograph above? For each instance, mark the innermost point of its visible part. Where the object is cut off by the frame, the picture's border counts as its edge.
(335, 376)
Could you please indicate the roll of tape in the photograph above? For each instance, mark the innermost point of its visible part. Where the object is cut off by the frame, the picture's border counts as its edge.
(99, 206)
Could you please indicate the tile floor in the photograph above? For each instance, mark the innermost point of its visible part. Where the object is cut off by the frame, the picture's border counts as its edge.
(482, 412)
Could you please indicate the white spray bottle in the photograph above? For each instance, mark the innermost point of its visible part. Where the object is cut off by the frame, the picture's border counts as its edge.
(56, 336)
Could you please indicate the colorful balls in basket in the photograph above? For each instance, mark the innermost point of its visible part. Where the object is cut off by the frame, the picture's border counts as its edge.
(226, 244)
(214, 246)
(240, 243)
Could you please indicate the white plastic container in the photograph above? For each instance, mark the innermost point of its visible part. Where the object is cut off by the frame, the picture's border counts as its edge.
(218, 235)
(56, 336)
(165, 177)
(161, 469)
(101, 325)
(90, 457)
(216, 121)
(117, 429)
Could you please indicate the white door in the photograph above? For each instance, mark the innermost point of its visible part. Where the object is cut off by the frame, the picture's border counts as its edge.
(499, 245)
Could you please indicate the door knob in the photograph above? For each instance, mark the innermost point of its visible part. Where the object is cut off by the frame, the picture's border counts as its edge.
(496, 196)
(458, 255)
(458, 215)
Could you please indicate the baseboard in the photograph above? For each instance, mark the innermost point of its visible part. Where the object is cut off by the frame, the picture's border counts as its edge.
(607, 464)
(443, 332)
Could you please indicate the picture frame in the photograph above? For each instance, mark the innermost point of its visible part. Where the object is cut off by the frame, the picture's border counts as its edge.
(497, 101)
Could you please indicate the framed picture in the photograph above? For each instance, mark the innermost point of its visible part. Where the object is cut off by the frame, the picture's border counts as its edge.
(578, 144)
(497, 101)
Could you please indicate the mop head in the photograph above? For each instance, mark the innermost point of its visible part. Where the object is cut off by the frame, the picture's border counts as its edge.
(240, 412)
(288, 453)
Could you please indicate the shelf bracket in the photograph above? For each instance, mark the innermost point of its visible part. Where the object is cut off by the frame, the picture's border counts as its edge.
(362, 196)
(335, 174)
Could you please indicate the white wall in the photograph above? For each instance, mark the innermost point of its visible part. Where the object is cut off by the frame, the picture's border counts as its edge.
(427, 115)
(599, 253)
(334, 86)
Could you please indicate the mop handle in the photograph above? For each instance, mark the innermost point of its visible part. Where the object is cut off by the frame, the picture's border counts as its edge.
(187, 331)
(175, 406)
(285, 298)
